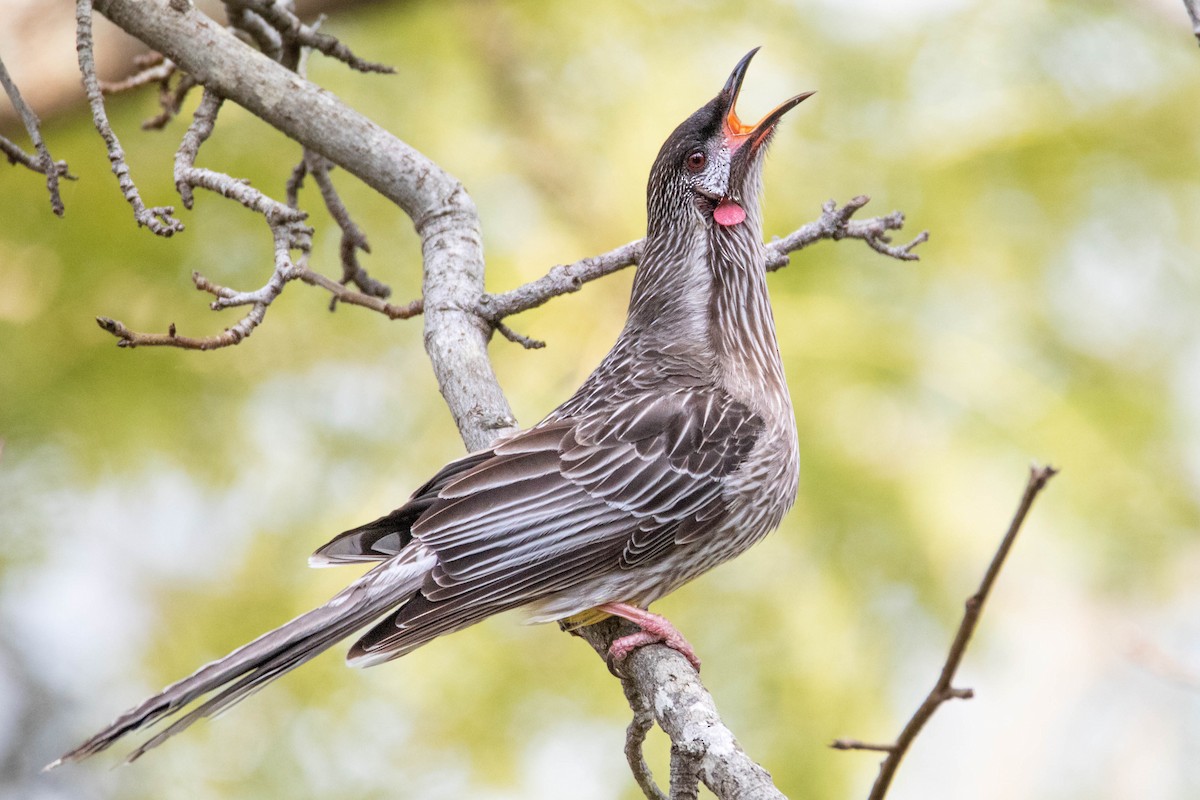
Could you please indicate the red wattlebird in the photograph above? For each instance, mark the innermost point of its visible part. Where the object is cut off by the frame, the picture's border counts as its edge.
(676, 454)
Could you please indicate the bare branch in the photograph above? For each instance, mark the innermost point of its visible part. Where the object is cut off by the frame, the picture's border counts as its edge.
(562, 279)
(295, 182)
(517, 338)
(353, 238)
(344, 295)
(256, 30)
(288, 233)
(668, 686)
(147, 59)
(203, 122)
(154, 68)
(171, 102)
(159, 219)
(855, 744)
(943, 690)
(286, 238)
(156, 72)
(279, 17)
(43, 162)
(834, 223)
(685, 769)
(1194, 12)
(229, 337)
(276, 213)
(635, 737)
(444, 216)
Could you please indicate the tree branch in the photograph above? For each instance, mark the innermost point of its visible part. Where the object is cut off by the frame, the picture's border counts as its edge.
(159, 219)
(288, 233)
(443, 214)
(43, 162)
(659, 679)
(373, 302)
(280, 18)
(635, 736)
(834, 224)
(944, 690)
(1193, 10)
(353, 238)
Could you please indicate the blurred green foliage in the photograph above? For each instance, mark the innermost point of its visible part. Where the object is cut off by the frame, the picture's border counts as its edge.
(156, 506)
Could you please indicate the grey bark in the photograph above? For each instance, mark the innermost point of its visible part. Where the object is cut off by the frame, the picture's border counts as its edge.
(443, 214)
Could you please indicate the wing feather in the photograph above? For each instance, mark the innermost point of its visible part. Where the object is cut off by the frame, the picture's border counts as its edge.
(565, 503)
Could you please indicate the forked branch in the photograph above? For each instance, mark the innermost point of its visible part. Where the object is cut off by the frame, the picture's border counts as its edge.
(944, 689)
(660, 684)
(834, 224)
(43, 162)
(159, 219)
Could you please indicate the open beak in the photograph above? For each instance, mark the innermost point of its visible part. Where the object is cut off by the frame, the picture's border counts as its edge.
(738, 133)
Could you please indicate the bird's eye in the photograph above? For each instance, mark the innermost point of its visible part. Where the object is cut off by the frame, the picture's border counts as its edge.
(696, 161)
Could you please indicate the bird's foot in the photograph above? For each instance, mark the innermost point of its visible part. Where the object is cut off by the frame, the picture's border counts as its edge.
(655, 629)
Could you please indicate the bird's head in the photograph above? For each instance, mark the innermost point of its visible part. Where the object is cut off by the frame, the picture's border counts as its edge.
(709, 170)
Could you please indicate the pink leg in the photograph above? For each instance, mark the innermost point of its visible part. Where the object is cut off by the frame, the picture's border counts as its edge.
(655, 630)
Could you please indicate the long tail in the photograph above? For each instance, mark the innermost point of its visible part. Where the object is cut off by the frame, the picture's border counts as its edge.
(256, 664)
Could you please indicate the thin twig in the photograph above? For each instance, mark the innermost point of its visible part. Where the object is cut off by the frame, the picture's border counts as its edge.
(1193, 10)
(855, 744)
(562, 279)
(43, 162)
(159, 219)
(943, 690)
(276, 213)
(295, 183)
(203, 121)
(288, 233)
(231, 336)
(635, 738)
(148, 59)
(353, 238)
(160, 70)
(834, 223)
(294, 31)
(518, 338)
(256, 29)
(344, 295)
(171, 102)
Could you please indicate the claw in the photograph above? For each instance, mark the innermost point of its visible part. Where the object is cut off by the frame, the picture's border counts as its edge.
(655, 629)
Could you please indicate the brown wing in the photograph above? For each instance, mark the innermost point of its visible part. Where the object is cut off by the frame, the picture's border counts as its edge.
(555, 506)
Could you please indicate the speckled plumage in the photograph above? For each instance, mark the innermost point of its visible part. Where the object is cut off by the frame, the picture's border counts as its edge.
(676, 454)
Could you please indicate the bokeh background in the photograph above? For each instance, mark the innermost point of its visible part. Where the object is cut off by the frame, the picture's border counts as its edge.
(156, 507)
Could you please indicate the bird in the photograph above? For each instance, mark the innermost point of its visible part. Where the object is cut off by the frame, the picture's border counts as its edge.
(676, 454)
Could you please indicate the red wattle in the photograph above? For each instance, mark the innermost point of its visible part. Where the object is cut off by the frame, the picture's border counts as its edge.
(728, 213)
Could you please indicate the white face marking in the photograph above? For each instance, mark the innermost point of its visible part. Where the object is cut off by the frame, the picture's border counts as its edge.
(713, 180)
